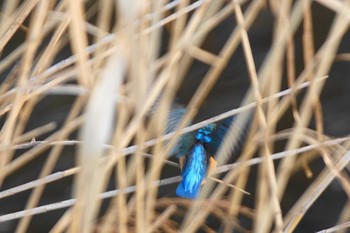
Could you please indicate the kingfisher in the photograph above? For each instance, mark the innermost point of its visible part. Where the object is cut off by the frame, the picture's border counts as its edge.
(196, 154)
(196, 150)
(196, 164)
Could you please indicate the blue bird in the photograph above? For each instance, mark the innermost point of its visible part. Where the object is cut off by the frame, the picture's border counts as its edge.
(195, 164)
(196, 153)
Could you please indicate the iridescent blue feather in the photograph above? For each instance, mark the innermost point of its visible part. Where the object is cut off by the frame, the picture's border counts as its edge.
(195, 149)
(193, 172)
(196, 164)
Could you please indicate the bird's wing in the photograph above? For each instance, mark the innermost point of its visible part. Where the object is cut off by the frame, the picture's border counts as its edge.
(185, 141)
(184, 144)
(175, 115)
(241, 128)
(218, 135)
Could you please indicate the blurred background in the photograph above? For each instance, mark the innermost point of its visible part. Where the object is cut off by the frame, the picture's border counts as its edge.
(227, 93)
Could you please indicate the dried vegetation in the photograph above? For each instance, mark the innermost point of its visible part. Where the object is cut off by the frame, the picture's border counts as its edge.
(114, 76)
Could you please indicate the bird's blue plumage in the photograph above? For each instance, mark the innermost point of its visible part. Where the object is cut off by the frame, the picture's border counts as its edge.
(196, 164)
(193, 172)
(196, 150)
(218, 136)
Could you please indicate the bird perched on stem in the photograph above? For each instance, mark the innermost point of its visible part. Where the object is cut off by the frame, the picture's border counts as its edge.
(196, 152)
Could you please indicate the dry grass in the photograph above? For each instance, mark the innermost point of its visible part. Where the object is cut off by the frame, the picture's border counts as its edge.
(117, 74)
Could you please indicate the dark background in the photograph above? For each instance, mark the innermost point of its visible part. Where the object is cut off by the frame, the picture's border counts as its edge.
(227, 94)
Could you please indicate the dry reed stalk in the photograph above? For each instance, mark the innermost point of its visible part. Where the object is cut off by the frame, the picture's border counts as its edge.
(66, 203)
(48, 167)
(268, 169)
(115, 134)
(59, 175)
(34, 152)
(325, 61)
(10, 128)
(201, 213)
(344, 216)
(79, 41)
(314, 191)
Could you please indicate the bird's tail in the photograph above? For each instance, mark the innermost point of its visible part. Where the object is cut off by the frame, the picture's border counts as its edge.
(184, 192)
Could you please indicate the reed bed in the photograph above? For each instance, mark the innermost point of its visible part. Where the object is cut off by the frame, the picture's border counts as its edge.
(124, 58)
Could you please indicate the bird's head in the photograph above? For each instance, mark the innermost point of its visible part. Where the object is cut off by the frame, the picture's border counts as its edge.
(203, 134)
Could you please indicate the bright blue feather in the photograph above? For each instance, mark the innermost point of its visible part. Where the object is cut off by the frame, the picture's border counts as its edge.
(195, 148)
(196, 164)
(193, 172)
